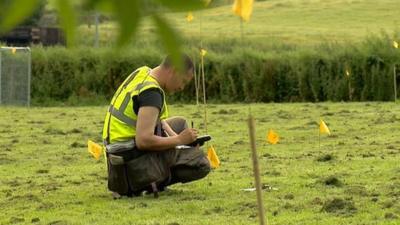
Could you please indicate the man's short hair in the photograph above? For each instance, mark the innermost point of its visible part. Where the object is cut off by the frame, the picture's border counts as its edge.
(186, 60)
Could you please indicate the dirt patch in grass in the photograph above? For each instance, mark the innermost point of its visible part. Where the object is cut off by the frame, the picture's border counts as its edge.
(356, 190)
(54, 131)
(325, 158)
(58, 222)
(226, 112)
(35, 220)
(388, 204)
(42, 171)
(46, 142)
(14, 220)
(75, 131)
(339, 206)
(45, 206)
(328, 114)
(390, 147)
(12, 183)
(311, 123)
(284, 115)
(77, 145)
(36, 122)
(269, 156)
(27, 197)
(333, 181)
(317, 201)
(289, 196)
(391, 216)
(239, 142)
(368, 155)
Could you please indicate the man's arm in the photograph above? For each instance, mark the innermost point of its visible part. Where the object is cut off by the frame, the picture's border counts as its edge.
(147, 140)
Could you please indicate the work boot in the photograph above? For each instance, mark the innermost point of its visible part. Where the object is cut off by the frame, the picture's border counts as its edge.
(116, 195)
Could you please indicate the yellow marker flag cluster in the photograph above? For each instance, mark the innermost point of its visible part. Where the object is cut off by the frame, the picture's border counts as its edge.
(323, 128)
(212, 157)
(395, 44)
(272, 137)
(95, 149)
(189, 17)
(243, 8)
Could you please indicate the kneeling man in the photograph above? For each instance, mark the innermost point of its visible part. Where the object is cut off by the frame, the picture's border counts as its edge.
(141, 139)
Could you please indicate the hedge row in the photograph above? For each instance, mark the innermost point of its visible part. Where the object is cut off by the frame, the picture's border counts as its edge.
(240, 74)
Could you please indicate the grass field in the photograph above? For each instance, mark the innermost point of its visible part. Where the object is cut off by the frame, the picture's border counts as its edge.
(47, 176)
(296, 22)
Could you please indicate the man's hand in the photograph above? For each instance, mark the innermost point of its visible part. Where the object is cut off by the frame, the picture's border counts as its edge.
(188, 136)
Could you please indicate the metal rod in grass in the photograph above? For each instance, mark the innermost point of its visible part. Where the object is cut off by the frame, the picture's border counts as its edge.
(396, 46)
(204, 91)
(395, 82)
(319, 131)
(241, 32)
(256, 169)
(196, 84)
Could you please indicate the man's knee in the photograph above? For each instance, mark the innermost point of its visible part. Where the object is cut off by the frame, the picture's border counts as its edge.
(186, 174)
(177, 123)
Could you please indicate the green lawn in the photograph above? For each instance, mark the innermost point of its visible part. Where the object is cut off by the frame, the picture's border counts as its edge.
(299, 22)
(47, 175)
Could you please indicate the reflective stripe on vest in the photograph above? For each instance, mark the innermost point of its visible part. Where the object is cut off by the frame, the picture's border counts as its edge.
(119, 113)
(121, 116)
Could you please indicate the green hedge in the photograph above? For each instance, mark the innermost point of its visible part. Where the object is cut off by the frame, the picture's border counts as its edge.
(234, 73)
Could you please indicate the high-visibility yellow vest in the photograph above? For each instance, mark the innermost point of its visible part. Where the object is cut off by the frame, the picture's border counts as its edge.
(120, 121)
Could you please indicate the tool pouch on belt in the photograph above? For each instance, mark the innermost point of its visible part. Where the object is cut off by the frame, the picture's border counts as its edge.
(132, 170)
(117, 154)
(151, 167)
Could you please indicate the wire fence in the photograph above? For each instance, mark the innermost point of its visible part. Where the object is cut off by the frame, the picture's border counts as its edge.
(15, 76)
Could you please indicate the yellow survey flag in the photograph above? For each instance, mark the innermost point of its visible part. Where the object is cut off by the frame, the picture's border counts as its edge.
(243, 8)
(95, 149)
(203, 52)
(272, 137)
(189, 17)
(212, 157)
(347, 73)
(395, 44)
(323, 128)
(13, 50)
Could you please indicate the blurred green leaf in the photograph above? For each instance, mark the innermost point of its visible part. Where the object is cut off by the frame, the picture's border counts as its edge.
(67, 20)
(16, 12)
(101, 5)
(128, 16)
(186, 5)
(170, 39)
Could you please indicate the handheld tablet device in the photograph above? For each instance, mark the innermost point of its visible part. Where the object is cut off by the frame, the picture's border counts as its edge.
(201, 140)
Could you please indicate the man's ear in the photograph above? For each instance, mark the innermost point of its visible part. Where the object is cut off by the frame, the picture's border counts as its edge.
(170, 72)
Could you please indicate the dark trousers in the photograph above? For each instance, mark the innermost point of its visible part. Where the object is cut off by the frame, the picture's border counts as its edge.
(160, 168)
(185, 170)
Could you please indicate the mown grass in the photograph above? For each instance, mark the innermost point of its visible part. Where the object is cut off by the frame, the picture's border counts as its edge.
(47, 176)
(274, 22)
